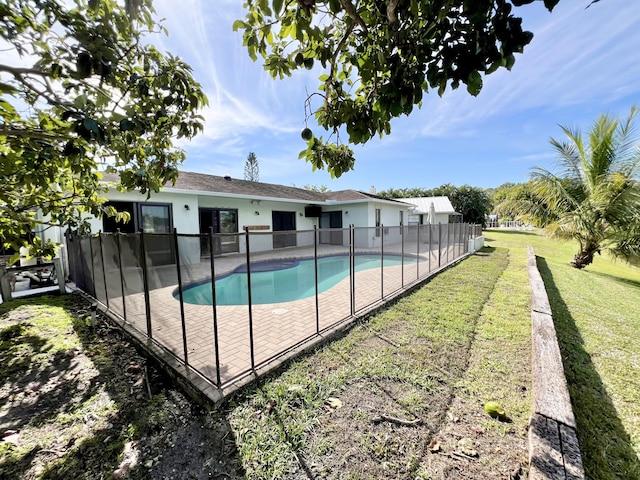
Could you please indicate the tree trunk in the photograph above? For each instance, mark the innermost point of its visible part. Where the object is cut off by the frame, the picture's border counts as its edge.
(585, 256)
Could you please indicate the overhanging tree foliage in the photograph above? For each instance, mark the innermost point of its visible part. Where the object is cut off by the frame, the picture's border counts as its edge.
(79, 86)
(594, 198)
(379, 57)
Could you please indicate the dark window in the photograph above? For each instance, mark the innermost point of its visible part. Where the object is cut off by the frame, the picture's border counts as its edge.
(222, 221)
(155, 218)
(152, 217)
(331, 220)
(283, 221)
(378, 217)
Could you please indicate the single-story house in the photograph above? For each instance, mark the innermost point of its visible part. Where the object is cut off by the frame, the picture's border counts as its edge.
(431, 210)
(200, 202)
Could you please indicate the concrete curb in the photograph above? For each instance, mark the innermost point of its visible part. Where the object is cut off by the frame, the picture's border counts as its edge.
(553, 443)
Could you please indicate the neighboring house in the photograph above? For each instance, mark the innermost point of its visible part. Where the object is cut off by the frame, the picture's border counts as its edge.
(199, 202)
(419, 214)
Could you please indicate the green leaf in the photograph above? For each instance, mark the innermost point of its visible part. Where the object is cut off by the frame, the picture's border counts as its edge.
(80, 101)
(238, 24)
(510, 62)
(6, 88)
(277, 6)
(550, 4)
(474, 83)
(127, 125)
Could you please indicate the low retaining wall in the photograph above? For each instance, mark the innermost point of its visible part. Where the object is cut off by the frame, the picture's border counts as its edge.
(553, 443)
(476, 244)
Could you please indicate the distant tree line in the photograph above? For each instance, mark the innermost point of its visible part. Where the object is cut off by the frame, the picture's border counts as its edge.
(473, 203)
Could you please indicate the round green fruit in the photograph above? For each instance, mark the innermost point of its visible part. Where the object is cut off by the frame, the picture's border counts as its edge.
(494, 409)
(306, 134)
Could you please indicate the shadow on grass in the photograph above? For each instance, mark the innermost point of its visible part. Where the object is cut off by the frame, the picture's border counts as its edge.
(485, 251)
(114, 398)
(626, 281)
(511, 232)
(606, 447)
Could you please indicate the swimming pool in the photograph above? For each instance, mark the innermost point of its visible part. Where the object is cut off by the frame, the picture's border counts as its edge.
(279, 281)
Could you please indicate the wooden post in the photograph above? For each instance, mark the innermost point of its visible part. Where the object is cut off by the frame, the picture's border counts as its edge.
(57, 263)
(5, 285)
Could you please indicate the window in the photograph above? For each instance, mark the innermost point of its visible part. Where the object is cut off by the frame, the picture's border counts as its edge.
(282, 222)
(155, 218)
(401, 221)
(222, 220)
(378, 217)
(151, 217)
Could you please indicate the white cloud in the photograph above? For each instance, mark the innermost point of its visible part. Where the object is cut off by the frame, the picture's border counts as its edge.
(577, 55)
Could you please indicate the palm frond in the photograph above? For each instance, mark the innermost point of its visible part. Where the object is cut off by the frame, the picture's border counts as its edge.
(595, 196)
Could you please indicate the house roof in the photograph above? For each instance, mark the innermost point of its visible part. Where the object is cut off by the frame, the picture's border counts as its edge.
(422, 204)
(212, 184)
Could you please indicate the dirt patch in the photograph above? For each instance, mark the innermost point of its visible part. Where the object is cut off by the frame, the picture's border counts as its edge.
(467, 448)
(96, 409)
(375, 430)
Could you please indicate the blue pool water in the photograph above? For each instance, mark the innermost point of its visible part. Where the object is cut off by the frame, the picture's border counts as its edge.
(281, 280)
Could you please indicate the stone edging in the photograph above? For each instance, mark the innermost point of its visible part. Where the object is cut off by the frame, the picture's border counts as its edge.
(553, 443)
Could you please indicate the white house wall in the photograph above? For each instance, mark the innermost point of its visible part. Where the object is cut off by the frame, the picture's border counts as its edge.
(389, 217)
(262, 239)
(352, 214)
(258, 214)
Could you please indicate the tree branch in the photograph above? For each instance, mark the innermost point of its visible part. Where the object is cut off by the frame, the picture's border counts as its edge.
(334, 57)
(391, 12)
(20, 71)
(28, 133)
(353, 13)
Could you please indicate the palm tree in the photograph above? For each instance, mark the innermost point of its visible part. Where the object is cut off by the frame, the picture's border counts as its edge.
(595, 196)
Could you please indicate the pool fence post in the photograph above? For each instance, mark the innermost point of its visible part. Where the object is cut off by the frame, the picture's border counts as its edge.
(447, 247)
(439, 244)
(382, 262)
(145, 282)
(455, 240)
(315, 261)
(466, 237)
(352, 283)
(124, 302)
(181, 293)
(92, 270)
(403, 234)
(429, 259)
(253, 363)
(214, 307)
(418, 252)
(104, 270)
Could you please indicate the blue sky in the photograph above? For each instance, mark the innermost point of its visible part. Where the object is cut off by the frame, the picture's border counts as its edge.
(581, 63)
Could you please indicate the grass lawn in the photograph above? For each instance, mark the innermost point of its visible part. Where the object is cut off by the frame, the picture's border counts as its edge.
(597, 317)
